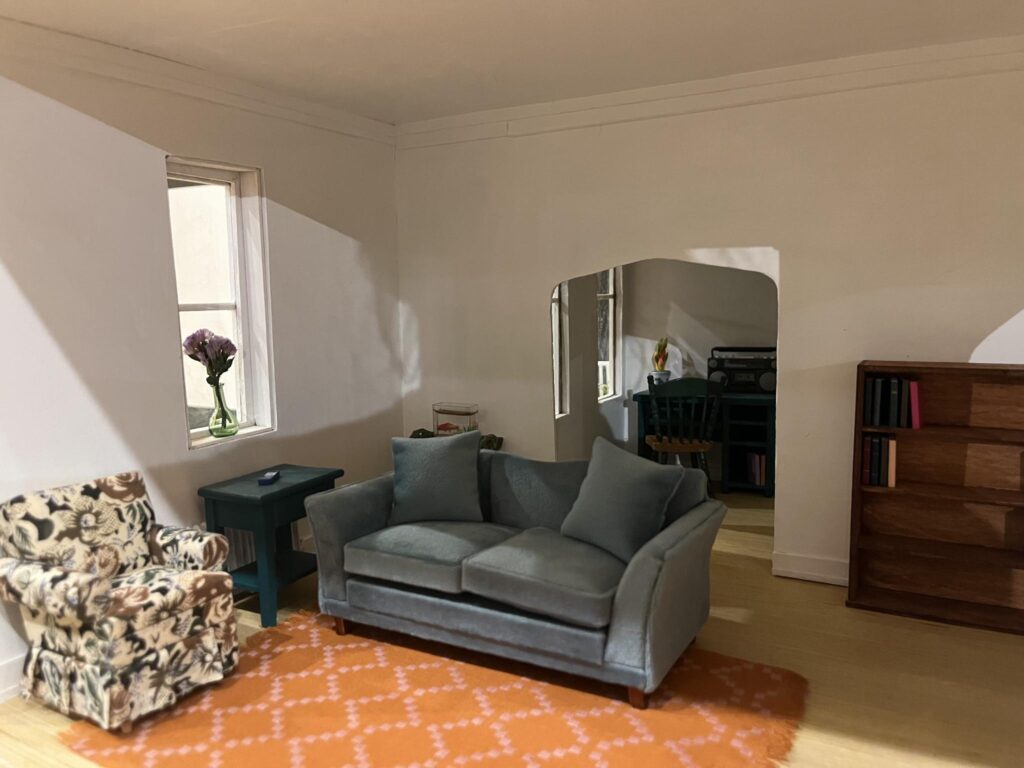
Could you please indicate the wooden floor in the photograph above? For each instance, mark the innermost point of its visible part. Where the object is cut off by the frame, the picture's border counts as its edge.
(885, 691)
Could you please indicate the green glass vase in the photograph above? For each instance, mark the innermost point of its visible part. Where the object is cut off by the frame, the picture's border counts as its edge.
(223, 422)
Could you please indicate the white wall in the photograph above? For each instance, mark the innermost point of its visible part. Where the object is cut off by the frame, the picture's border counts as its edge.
(895, 207)
(698, 307)
(92, 372)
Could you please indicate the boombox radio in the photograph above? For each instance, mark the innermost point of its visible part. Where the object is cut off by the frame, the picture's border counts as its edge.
(743, 369)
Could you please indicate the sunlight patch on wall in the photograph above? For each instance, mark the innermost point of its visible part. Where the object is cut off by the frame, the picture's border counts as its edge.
(1004, 345)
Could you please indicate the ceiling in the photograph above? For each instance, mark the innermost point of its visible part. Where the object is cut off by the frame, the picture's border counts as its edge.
(407, 60)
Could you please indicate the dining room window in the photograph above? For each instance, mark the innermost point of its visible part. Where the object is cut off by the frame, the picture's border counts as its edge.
(560, 347)
(608, 330)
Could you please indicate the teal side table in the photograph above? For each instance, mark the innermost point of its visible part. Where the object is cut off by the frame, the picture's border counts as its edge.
(268, 511)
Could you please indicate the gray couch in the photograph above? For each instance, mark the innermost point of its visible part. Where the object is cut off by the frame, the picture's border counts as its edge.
(512, 585)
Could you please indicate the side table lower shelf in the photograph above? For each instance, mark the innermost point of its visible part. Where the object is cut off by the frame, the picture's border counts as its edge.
(291, 566)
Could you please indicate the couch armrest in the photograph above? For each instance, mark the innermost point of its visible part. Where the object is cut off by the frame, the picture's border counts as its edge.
(71, 598)
(664, 596)
(342, 515)
(187, 549)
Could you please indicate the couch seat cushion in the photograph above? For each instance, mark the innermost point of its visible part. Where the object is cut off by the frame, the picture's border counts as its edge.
(541, 571)
(427, 555)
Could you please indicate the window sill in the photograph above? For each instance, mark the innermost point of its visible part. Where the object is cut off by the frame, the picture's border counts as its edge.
(606, 398)
(206, 441)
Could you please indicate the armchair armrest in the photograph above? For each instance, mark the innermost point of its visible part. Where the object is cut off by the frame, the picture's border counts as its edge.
(71, 598)
(188, 549)
(342, 515)
(664, 596)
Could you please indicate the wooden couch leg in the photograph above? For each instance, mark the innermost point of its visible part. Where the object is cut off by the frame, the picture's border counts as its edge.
(637, 698)
(339, 626)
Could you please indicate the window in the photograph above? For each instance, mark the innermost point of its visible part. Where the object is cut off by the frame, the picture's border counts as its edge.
(607, 332)
(216, 214)
(560, 346)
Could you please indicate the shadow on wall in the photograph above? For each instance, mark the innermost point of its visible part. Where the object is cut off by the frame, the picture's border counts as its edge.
(87, 290)
(711, 297)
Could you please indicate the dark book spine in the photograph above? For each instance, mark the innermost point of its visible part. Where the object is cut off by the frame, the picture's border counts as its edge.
(883, 462)
(894, 402)
(869, 388)
(876, 458)
(865, 462)
(876, 402)
(904, 403)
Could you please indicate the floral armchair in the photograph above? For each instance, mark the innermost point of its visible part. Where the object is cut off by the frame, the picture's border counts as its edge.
(124, 616)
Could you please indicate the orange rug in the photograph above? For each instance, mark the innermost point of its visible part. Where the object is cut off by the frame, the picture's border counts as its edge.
(303, 697)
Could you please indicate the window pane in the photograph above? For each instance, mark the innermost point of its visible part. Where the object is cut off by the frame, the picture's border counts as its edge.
(604, 281)
(198, 395)
(603, 329)
(203, 246)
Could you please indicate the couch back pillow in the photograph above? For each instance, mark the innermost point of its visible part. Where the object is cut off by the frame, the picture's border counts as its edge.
(436, 479)
(692, 490)
(622, 501)
(529, 494)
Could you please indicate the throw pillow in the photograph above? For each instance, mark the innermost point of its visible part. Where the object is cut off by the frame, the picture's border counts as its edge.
(436, 479)
(622, 500)
(528, 494)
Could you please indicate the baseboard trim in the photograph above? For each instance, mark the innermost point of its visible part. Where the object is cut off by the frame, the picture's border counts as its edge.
(10, 677)
(809, 568)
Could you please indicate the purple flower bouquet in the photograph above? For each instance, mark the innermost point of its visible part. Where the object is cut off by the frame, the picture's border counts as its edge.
(216, 353)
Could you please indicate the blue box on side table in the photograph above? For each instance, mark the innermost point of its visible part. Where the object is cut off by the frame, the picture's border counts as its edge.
(268, 511)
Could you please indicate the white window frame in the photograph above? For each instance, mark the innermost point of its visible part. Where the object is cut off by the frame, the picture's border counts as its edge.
(247, 242)
(614, 333)
(560, 347)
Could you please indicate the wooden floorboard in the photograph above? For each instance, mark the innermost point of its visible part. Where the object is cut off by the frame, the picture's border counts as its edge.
(885, 690)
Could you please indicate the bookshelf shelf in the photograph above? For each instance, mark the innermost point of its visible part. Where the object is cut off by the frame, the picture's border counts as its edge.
(957, 492)
(953, 434)
(943, 538)
(908, 545)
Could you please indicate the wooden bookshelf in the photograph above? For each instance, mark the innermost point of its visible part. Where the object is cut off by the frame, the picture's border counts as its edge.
(947, 542)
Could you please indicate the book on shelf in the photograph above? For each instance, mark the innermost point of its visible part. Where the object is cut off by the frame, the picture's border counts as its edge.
(915, 405)
(878, 461)
(904, 403)
(891, 401)
(891, 467)
(876, 402)
(893, 411)
(757, 468)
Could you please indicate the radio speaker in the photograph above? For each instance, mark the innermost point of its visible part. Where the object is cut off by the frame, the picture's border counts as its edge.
(743, 369)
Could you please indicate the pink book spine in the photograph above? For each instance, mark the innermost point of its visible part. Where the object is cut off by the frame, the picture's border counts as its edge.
(915, 406)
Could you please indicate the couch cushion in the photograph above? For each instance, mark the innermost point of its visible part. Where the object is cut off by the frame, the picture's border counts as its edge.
(436, 479)
(541, 571)
(469, 616)
(427, 555)
(622, 501)
(527, 493)
(692, 490)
